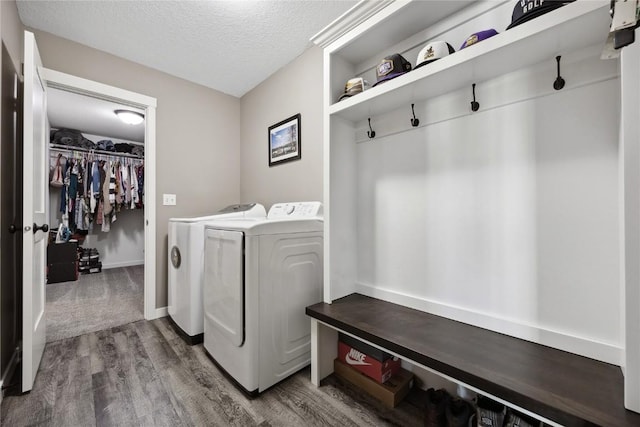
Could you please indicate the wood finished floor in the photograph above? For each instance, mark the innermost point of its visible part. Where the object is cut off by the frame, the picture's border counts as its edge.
(143, 374)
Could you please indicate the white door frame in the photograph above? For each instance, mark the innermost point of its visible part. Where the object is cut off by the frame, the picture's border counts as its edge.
(94, 89)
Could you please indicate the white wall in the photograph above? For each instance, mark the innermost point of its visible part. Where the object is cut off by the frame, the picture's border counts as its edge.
(506, 218)
(198, 135)
(296, 88)
(124, 244)
(12, 31)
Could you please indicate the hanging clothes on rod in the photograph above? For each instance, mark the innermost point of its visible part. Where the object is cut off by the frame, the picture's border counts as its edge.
(136, 154)
(97, 186)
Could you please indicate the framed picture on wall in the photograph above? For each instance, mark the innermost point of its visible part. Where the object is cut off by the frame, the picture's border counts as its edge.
(284, 141)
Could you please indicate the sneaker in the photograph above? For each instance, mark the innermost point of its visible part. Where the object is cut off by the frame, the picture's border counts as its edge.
(516, 419)
(458, 413)
(437, 401)
(490, 413)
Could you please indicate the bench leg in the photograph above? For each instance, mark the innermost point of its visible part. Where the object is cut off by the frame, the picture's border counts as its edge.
(324, 349)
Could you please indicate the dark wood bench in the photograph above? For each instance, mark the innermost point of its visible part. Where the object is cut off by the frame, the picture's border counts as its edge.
(562, 387)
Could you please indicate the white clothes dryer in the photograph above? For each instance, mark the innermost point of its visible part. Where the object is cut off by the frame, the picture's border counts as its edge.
(260, 274)
(186, 265)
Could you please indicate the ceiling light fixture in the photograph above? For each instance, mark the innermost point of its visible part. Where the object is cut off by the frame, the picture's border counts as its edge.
(130, 117)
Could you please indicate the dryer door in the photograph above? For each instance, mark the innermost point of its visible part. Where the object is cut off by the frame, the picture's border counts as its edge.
(224, 283)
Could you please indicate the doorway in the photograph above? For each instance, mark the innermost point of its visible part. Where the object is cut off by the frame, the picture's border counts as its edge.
(125, 269)
(95, 267)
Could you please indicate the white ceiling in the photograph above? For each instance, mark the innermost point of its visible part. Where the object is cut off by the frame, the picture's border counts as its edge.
(230, 45)
(91, 116)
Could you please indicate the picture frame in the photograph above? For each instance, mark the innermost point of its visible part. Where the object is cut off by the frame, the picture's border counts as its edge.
(285, 143)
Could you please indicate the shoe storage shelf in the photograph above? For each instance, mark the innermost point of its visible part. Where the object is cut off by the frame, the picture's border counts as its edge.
(486, 217)
(554, 386)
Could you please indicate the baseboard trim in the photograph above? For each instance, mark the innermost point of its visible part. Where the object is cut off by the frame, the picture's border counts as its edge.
(604, 352)
(159, 312)
(122, 264)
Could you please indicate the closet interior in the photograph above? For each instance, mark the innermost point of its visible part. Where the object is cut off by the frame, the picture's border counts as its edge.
(95, 254)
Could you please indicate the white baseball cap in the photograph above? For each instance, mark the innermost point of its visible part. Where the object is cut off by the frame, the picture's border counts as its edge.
(354, 86)
(433, 51)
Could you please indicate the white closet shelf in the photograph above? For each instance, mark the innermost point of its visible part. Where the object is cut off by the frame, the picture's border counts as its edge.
(576, 25)
(69, 148)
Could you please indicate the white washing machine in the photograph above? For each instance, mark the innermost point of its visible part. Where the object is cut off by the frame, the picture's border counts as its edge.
(260, 274)
(186, 262)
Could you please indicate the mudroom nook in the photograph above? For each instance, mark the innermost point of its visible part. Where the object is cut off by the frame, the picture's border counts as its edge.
(475, 202)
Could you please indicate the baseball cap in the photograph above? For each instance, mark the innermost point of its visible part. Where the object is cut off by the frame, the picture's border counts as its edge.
(526, 10)
(391, 67)
(478, 37)
(354, 86)
(433, 51)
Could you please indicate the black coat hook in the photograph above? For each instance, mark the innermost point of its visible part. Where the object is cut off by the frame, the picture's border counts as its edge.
(475, 106)
(414, 121)
(559, 83)
(371, 133)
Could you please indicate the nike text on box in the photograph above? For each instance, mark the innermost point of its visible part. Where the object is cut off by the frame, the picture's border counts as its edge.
(379, 371)
(362, 347)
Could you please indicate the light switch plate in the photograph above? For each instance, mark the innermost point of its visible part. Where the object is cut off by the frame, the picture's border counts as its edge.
(169, 199)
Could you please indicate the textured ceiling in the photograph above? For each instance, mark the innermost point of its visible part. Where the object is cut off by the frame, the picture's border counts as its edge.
(90, 115)
(230, 46)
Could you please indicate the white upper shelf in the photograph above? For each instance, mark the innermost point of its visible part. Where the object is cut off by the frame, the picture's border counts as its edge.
(576, 25)
(396, 22)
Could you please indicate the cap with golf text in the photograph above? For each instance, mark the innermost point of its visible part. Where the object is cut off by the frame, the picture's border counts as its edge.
(526, 10)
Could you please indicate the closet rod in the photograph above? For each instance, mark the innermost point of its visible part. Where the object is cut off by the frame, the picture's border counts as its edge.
(59, 147)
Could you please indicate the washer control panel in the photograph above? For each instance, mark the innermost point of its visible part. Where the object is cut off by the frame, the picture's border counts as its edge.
(237, 208)
(295, 210)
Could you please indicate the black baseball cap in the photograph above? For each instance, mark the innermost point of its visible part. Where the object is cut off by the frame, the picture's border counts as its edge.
(526, 10)
(391, 67)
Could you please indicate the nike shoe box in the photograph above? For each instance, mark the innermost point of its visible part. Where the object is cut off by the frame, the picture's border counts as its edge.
(365, 348)
(390, 393)
(374, 369)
